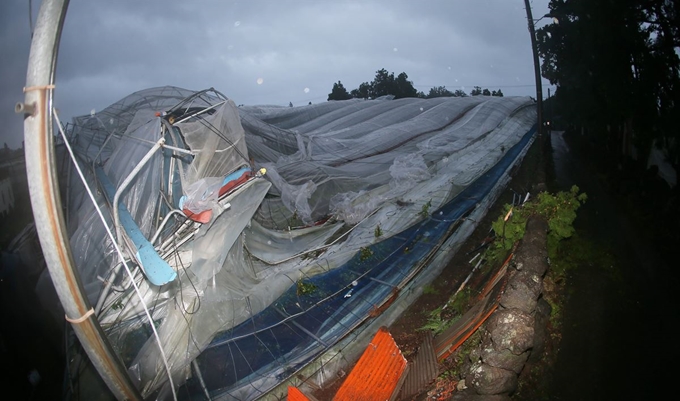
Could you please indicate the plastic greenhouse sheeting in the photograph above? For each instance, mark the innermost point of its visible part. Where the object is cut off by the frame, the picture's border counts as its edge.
(357, 198)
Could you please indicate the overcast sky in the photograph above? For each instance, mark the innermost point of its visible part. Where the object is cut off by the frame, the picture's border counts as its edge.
(267, 51)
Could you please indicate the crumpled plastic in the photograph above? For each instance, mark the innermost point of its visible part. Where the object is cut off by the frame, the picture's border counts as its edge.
(202, 195)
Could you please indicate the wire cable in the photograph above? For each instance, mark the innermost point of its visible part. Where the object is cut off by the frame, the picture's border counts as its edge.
(120, 253)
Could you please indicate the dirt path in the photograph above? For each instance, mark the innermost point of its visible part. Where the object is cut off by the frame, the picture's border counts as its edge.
(617, 334)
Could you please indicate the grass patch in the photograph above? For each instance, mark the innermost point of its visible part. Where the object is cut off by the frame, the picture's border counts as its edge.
(445, 316)
(429, 289)
(365, 253)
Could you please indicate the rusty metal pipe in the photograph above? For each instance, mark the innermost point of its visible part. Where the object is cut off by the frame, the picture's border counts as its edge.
(46, 203)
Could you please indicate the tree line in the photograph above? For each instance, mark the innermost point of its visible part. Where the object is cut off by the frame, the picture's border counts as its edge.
(386, 83)
(616, 67)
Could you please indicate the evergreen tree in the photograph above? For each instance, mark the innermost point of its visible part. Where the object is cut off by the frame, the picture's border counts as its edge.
(404, 87)
(339, 92)
(439, 91)
(385, 84)
(364, 91)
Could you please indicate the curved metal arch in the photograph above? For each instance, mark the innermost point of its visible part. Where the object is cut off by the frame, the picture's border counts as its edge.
(46, 202)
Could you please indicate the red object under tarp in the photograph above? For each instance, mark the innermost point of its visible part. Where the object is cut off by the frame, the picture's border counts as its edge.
(205, 216)
(226, 188)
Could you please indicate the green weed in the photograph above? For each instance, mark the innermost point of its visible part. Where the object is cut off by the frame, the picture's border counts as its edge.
(365, 253)
(429, 289)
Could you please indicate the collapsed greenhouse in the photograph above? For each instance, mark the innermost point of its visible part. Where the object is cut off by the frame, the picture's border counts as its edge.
(265, 243)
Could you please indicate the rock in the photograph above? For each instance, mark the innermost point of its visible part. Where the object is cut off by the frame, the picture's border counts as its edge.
(543, 308)
(516, 331)
(532, 254)
(523, 289)
(461, 385)
(486, 379)
(541, 318)
(504, 359)
(476, 352)
(511, 329)
(548, 284)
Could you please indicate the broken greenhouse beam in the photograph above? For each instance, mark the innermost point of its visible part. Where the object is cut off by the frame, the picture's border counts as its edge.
(453, 337)
(157, 270)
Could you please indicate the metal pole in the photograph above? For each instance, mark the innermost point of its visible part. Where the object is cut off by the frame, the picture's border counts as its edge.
(126, 182)
(537, 69)
(550, 116)
(46, 202)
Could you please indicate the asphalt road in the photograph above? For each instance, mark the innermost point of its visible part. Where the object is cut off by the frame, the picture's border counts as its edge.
(618, 337)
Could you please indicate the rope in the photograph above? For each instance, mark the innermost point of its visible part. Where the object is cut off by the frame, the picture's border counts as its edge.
(37, 88)
(80, 319)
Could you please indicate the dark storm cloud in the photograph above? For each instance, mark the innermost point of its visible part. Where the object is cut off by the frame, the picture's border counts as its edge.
(15, 40)
(294, 49)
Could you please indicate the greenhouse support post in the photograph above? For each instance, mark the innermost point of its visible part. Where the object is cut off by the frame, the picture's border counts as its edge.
(46, 203)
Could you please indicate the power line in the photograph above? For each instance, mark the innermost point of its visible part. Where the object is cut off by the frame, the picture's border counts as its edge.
(482, 86)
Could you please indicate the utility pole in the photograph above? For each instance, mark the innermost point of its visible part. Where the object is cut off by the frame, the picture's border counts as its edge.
(537, 69)
(550, 113)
